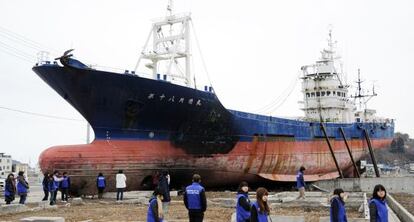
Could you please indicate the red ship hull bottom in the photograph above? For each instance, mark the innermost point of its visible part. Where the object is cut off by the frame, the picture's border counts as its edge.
(250, 161)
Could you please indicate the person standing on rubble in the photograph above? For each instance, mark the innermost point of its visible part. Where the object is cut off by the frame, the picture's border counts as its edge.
(163, 186)
(10, 189)
(155, 210)
(100, 184)
(120, 185)
(300, 183)
(260, 209)
(378, 208)
(22, 187)
(195, 200)
(243, 203)
(65, 186)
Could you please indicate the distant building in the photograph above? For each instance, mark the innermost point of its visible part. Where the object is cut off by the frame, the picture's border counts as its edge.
(18, 166)
(5, 164)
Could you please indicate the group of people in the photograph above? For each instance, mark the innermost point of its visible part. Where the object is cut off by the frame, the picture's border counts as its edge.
(378, 210)
(52, 183)
(17, 185)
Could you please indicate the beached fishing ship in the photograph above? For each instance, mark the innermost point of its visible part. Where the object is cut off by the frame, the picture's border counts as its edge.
(143, 124)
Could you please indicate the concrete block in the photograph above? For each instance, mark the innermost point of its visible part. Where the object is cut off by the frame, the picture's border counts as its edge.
(77, 201)
(43, 219)
(327, 219)
(399, 210)
(280, 218)
(13, 208)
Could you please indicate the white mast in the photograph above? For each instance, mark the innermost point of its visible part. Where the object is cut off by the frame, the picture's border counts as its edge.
(170, 46)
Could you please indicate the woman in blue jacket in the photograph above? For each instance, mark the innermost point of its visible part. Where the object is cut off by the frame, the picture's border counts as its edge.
(155, 211)
(10, 189)
(378, 210)
(337, 211)
(260, 209)
(243, 203)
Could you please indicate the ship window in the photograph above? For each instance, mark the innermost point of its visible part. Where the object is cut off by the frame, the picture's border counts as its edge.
(313, 94)
(323, 93)
(307, 94)
(318, 94)
(328, 93)
(333, 92)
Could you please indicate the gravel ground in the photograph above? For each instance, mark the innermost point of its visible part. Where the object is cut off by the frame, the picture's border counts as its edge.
(406, 200)
(109, 210)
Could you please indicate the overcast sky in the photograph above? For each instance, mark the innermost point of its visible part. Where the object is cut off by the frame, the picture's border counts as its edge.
(253, 51)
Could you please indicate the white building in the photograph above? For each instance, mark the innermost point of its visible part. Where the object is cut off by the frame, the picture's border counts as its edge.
(5, 165)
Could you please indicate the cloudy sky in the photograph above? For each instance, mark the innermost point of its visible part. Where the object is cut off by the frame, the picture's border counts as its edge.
(253, 51)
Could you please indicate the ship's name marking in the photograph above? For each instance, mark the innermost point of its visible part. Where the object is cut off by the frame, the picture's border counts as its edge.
(171, 99)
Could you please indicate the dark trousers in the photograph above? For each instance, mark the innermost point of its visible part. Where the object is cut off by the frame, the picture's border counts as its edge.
(53, 195)
(196, 216)
(64, 192)
(120, 193)
(9, 199)
(22, 198)
(46, 195)
(100, 192)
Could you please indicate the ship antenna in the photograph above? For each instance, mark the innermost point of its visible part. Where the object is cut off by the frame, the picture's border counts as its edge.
(170, 8)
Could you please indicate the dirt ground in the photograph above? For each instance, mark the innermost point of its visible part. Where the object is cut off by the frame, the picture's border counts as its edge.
(406, 200)
(109, 210)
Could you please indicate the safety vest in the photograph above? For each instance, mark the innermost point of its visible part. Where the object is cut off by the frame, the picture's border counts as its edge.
(261, 216)
(150, 214)
(382, 210)
(341, 211)
(8, 190)
(299, 180)
(193, 196)
(101, 182)
(65, 182)
(52, 185)
(241, 214)
(21, 188)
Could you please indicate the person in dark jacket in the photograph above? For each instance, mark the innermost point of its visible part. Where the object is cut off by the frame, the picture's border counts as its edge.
(22, 187)
(45, 185)
(163, 186)
(10, 189)
(378, 209)
(195, 200)
(155, 210)
(260, 209)
(65, 186)
(243, 203)
(100, 184)
(54, 186)
(337, 211)
(300, 182)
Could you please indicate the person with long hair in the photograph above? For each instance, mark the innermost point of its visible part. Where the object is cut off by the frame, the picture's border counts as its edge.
(337, 211)
(155, 209)
(378, 209)
(243, 203)
(10, 189)
(260, 209)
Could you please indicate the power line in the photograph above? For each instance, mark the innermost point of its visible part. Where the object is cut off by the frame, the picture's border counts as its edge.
(39, 114)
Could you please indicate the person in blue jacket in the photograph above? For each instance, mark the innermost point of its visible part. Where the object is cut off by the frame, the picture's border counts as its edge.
(22, 187)
(300, 182)
(52, 187)
(243, 203)
(260, 209)
(155, 211)
(100, 184)
(10, 189)
(195, 200)
(65, 186)
(378, 209)
(45, 185)
(337, 211)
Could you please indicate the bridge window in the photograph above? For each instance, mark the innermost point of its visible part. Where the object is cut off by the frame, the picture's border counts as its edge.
(333, 93)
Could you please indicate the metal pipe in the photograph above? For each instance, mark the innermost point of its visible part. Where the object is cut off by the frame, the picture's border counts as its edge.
(332, 152)
(349, 151)
(371, 153)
